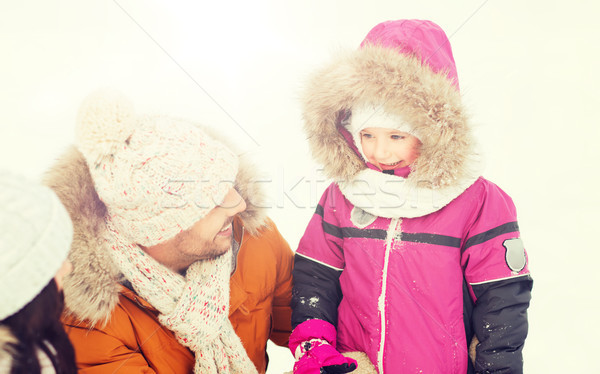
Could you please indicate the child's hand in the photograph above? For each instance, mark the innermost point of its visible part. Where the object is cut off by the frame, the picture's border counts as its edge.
(319, 357)
(312, 343)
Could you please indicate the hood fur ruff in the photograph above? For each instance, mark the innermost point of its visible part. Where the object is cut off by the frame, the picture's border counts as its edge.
(91, 289)
(400, 85)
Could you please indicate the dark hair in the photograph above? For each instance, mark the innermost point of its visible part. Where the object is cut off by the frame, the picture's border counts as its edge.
(37, 325)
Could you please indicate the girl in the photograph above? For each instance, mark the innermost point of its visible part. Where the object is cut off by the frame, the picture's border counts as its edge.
(411, 254)
(35, 238)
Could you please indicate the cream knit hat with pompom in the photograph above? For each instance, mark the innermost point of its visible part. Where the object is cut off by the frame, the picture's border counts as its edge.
(157, 175)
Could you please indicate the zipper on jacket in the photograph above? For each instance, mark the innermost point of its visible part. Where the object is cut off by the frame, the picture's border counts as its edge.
(389, 240)
(235, 250)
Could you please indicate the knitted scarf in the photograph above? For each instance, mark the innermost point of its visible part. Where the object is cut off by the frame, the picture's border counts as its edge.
(194, 307)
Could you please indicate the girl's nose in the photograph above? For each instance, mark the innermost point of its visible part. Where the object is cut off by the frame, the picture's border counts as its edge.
(381, 150)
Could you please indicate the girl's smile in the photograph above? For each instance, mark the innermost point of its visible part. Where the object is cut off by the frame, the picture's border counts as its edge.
(389, 149)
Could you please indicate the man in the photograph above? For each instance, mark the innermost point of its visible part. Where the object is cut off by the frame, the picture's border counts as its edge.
(172, 257)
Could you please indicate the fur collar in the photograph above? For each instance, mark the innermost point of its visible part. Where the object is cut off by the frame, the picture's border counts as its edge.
(392, 196)
(92, 288)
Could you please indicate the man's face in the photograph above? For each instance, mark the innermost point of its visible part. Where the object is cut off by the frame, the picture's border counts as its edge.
(208, 238)
(211, 236)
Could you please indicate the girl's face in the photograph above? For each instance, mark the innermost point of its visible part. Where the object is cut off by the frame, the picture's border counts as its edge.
(389, 149)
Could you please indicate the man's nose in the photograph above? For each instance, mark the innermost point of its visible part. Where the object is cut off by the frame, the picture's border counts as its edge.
(233, 203)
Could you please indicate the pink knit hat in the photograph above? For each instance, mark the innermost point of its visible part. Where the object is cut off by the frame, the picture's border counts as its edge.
(156, 175)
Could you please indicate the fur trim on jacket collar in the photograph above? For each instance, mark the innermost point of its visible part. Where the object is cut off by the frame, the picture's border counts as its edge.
(92, 289)
(401, 85)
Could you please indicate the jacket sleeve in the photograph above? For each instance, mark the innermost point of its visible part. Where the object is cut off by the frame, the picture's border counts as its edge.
(98, 352)
(316, 292)
(495, 265)
(500, 324)
(282, 311)
(318, 265)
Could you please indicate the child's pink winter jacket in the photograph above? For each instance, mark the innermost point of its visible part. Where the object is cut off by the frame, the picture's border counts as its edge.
(408, 269)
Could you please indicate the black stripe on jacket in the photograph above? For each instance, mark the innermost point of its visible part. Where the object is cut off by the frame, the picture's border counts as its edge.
(380, 234)
(491, 234)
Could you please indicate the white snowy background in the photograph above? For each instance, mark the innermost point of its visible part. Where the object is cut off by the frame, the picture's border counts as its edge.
(528, 73)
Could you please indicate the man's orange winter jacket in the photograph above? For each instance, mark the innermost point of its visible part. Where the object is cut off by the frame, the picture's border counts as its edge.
(134, 341)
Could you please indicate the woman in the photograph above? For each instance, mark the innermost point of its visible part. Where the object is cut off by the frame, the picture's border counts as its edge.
(35, 237)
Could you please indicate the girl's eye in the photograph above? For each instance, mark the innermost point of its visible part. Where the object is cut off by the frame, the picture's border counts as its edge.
(397, 137)
(367, 135)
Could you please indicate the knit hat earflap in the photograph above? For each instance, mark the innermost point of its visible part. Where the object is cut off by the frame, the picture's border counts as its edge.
(35, 237)
(157, 175)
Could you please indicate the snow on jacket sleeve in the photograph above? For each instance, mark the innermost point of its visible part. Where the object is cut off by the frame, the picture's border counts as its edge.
(501, 324)
(318, 264)
(495, 265)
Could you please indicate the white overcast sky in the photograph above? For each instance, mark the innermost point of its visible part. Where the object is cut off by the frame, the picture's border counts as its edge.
(528, 73)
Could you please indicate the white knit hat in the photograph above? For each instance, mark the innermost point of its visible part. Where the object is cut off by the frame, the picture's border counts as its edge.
(35, 237)
(374, 116)
(156, 175)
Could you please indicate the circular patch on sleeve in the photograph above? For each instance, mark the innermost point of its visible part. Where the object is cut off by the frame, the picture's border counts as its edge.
(360, 218)
(515, 254)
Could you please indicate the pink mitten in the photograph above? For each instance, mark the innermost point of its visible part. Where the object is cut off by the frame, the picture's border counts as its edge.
(313, 344)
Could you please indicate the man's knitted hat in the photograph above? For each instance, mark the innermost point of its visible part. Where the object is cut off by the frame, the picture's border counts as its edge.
(35, 237)
(157, 175)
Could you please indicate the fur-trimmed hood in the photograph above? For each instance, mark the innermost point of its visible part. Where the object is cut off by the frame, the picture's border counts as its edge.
(92, 288)
(402, 85)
